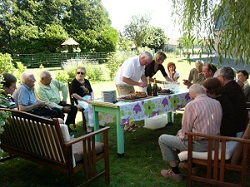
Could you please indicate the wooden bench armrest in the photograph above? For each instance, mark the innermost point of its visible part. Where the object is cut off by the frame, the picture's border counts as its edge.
(210, 136)
(83, 137)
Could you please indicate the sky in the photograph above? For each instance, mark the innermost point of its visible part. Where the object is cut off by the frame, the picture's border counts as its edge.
(121, 11)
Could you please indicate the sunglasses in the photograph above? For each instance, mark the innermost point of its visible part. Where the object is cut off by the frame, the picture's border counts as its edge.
(82, 73)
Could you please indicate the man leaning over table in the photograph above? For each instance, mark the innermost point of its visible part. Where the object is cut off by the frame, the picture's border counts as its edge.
(131, 74)
(202, 115)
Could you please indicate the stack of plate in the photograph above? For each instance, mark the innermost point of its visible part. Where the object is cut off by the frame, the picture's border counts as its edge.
(109, 96)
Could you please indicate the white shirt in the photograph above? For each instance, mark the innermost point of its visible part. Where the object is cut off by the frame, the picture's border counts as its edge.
(132, 69)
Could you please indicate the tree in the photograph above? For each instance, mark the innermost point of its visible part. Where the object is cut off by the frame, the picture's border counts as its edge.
(138, 29)
(35, 26)
(156, 38)
(202, 19)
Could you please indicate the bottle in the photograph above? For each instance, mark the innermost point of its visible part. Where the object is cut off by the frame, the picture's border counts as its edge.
(149, 88)
(155, 88)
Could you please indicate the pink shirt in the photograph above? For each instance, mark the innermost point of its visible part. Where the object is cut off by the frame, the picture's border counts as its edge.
(202, 115)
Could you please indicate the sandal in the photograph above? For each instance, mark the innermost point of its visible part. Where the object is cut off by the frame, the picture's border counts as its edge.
(137, 126)
(132, 124)
(129, 129)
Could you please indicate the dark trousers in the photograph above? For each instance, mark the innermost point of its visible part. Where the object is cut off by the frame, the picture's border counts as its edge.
(48, 113)
(71, 115)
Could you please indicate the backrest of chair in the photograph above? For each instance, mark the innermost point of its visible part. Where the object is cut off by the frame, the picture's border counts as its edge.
(34, 136)
(72, 101)
(216, 159)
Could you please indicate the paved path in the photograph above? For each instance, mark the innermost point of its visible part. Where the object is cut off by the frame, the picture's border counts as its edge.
(232, 63)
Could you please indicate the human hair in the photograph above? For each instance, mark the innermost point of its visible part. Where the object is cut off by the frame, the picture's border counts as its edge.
(82, 68)
(8, 79)
(160, 56)
(244, 72)
(26, 76)
(196, 89)
(227, 73)
(213, 86)
(211, 67)
(44, 74)
(171, 64)
(147, 55)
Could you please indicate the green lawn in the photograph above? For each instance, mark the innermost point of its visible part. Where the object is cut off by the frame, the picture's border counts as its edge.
(140, 167)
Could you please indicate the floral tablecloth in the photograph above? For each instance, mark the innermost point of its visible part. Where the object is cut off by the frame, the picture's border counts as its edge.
(146, 108)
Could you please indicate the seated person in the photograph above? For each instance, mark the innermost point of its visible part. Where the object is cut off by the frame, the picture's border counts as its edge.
(214, 90)
(26, 100)
(243, 76)
(49, 89)
(172, 73)
(195, 75)
(82, 92)
(202, 115)
(9, 86)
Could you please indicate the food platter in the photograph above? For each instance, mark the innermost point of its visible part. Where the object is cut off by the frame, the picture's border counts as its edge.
(133, 96)
(165, 92)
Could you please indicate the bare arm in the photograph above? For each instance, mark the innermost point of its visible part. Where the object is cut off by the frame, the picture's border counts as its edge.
(31, 107)
(134, 83)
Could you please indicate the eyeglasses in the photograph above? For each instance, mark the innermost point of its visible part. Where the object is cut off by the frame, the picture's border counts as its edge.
(82, 73)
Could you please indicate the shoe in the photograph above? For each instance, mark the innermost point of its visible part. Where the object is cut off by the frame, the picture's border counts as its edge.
(101, 126)
(90, 129)
(129, 129)
(171, 175)
(71, 130)
(184, 166)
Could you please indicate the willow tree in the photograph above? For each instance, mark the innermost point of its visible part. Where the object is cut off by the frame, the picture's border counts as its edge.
(221, 25)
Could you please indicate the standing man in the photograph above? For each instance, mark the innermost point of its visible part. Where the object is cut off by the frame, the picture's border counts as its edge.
(202, 115)
(235, 94)
(26, 100)
(130, 74)
(49, 89)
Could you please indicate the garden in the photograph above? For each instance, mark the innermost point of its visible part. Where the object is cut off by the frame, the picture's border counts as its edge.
(142, 162)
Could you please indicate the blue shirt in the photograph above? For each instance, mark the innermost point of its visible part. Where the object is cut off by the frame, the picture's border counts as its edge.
(25, 95)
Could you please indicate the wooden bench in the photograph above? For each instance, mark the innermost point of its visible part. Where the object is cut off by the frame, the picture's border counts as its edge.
(217, 159)
(47, 142)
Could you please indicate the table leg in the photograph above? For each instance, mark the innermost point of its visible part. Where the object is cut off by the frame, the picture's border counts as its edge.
(96, 125)
(120, 136)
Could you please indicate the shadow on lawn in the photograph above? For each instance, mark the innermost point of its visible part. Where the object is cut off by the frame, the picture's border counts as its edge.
(141, 165)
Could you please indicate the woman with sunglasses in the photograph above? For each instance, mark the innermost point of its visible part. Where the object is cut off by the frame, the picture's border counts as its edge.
(82, 92)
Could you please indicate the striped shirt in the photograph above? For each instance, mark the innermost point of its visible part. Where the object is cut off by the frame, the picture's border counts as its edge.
(202, 115)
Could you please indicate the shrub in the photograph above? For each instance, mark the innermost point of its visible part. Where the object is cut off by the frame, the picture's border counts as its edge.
(95, 71)
(6, 64)
(115, 61)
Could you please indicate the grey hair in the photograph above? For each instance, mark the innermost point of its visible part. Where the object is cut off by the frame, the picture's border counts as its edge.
(44, 74)
(197, 89)
(200, 62)
(147, 55)
(26, 75)
(227, 73)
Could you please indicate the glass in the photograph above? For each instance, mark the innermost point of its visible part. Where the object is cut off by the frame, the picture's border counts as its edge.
(82, 73)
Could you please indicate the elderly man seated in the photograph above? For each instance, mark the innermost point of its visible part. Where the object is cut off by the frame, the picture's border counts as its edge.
(49, 89)
(202, 115)
(26, 100)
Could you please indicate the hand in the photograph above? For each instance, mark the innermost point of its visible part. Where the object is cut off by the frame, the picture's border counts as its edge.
(187, 83)
(63, 102)
(66, 109)
(142, 84)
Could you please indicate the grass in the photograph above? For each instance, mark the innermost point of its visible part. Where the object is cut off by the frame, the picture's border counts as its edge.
(140, 167)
